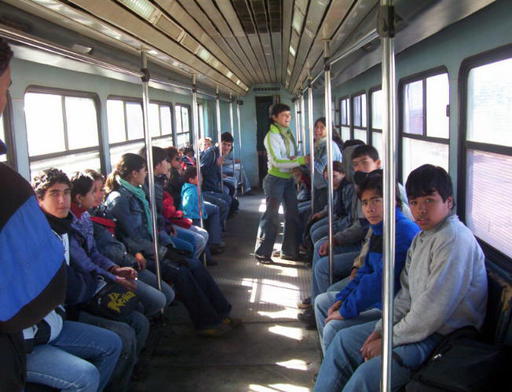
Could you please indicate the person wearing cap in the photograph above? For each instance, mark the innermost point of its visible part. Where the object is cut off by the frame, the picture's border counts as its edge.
(33, 279)
(279, 188)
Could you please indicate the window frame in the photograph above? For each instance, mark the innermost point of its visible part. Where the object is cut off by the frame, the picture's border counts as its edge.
(11, 160)
(190, 131)
(352, 125)
(423, 75)
(371, 129)
(137, 100)
(75, 94)
(480, 59)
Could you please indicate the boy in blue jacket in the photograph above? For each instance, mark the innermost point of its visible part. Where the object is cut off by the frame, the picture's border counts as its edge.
(360, 301)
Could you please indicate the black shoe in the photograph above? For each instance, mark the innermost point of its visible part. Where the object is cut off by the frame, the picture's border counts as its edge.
(308, 318)
(299, 257)
(264, 259)
(216, 250)
(211, 263)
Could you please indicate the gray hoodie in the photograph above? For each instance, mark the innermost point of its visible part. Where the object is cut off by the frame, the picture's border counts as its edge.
(444, 284)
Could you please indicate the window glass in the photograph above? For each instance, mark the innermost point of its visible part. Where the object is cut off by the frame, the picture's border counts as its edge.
(363, 110)
(3, 157)
(489, 106)
(357, 110)
(345, 111)
(82, 122)
(377, 143)
(134, 121)
(183, 139)
(69, 163)
(419, 152)
(44, 121)
(438, 97)
(163, 142)
(185, 120)
(177, 113)
(489, 184)
(413, 108)
(117, 151)
(345, 133)
(154, 119)
(201, 120)
(377, 107)
(166, 120)
(116, 124)
(361, 135)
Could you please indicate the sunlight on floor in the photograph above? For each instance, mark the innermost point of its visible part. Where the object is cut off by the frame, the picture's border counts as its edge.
(272, 291)
(288, 313)
(277, 388)
(288, 332)
(296, 364)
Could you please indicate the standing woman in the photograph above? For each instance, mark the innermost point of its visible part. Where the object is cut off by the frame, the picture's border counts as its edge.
(279, 188)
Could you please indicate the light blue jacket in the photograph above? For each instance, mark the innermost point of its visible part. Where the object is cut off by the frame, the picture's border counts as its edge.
(190, 202)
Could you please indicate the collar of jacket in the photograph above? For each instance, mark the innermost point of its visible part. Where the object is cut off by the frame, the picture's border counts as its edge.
(450, 218)
(378, 228)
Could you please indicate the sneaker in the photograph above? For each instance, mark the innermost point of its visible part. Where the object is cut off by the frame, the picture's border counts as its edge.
(305, 304)
(214, 332)
(232, 322)
(264, 259)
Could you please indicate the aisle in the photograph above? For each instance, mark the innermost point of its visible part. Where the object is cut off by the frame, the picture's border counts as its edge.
(271, 352)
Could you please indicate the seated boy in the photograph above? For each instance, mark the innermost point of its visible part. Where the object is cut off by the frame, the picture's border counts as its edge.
(443, 288)
(360, 301)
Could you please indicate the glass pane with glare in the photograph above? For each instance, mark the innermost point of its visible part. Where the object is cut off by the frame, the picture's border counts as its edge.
(185, 120)
(177, 115)
(490, 103)
(377, 109)
(438, 98)
(183, 139)
(377, 143)
(413, 108)
(43, 114)
(418, 152)
(116, 125)
(134, 121)
(488, 189)
(357, 111)
(69, 163)
(82, 122)
(345, 133)
(154, 119)
(3, 157)
(117, 151)
(363, 110)
(166, 120)
(361, 135)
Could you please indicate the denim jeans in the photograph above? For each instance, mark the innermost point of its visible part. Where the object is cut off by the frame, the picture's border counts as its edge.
(221, 200)
(339, 285)
(184, 244)
(151, 298)
(196, 235)
(133, 333)
(197, 290)
(277, 191)
(343, 260)
(327, 332)
(320, 229)
(343, 367)
(82, 358)
(213, 224)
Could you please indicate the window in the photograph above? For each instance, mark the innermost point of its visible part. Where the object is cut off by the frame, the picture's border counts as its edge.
(488, 148)
(3, 157)
(359, 117)
(182, 113)
(424, 120)
(345, 118)
(377, 106)
(200, 109)
(70, 121)
(126, 125)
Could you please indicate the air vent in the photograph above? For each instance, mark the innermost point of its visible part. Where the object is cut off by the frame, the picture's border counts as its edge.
(260, 89)
(169, 27)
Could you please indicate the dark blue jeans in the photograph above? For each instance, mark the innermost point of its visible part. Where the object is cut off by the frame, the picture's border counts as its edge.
(196, 289)
(277, 191)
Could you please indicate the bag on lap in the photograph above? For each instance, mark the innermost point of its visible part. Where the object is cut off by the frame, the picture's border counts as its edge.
(461, 363)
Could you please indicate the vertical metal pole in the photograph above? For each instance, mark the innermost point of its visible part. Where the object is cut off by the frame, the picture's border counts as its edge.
(195, 132)
(330, 184)
(231, 130)
(149, 160)
(311, 127)
(303, 124)
(238, 104)
(298, 133)
(219, 133)
(386, 30)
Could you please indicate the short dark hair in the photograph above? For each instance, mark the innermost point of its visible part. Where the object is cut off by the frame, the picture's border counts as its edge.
(427, 179)
(159, 155)
(81, 183)
(5, 55)
(278, 108)
(226, 137)
(336, 166)
(172, 152)
(365, 149)
(48, 178)
(97, 176)
(190, 172)
(374, 181)
(352, 142)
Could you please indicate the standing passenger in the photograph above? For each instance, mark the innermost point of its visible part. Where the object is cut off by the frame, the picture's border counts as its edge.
(279, 188)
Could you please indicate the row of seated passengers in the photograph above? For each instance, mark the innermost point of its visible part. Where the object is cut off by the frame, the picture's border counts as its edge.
(440, 279)
(112, 240)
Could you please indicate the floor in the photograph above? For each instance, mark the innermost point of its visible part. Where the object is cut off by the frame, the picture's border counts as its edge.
(271, 352)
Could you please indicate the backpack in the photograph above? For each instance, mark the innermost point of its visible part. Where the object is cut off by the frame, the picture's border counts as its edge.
(461, 363)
